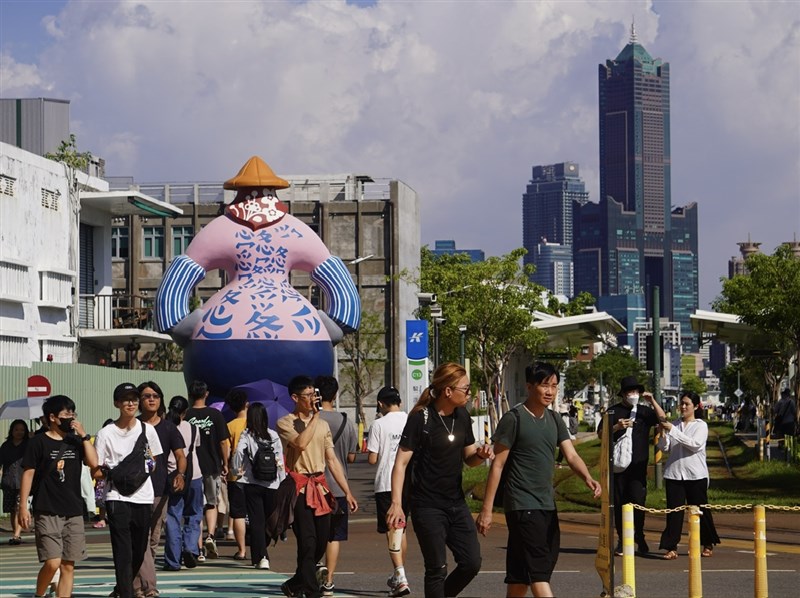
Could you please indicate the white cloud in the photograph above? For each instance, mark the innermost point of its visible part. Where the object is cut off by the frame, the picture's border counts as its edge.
(17, 79)
(457, 99)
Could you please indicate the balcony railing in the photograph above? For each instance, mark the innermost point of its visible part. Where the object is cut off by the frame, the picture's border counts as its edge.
(106, 312)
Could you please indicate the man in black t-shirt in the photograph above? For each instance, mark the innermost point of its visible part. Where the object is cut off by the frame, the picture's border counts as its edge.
(52, 467)
(438, 435)
(213, 454)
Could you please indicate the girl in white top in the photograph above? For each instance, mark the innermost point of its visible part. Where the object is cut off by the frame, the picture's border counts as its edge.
(686, 475)
(259, 495)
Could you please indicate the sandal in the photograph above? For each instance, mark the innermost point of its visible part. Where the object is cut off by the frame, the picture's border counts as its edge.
(707, 551)
(670, 556)
(15, 541)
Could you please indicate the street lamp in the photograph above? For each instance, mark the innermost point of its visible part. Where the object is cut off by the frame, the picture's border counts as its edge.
(436, 323)
(462, 333)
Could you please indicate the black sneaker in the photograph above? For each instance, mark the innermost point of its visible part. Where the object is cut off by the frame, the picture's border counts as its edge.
(287, 590)
(189, 560)
(642, 547)
(618, 550)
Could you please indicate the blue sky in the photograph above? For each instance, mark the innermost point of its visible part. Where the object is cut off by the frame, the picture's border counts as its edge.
(457, 99)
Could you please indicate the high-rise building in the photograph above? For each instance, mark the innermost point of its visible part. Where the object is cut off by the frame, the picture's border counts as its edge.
(547, 225)
(448, 247)
(634, 239)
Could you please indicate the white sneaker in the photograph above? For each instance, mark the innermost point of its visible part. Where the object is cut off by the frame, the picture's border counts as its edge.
(400, 588)
(211, 548)
(322, 574)
(391, 582)
(263, 563)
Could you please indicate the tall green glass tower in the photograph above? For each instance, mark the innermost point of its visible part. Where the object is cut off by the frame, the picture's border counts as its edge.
(635, 240)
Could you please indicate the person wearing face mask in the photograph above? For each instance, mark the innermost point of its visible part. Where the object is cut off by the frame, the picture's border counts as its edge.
(639, 411)
(52, 473)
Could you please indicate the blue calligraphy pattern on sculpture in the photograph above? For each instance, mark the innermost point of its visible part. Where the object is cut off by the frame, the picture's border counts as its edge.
(306, 319)
(218, 324)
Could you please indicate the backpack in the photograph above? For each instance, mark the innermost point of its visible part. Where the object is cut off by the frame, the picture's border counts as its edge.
(131, 474)
(501, 486)
(188, 474)
(264, 462)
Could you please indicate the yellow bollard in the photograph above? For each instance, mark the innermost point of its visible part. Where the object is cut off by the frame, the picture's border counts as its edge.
(695, 567)
(760, 550)
(628, 567)
(486, 438)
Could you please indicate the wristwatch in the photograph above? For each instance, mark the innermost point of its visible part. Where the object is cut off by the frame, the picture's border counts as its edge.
(86, 438)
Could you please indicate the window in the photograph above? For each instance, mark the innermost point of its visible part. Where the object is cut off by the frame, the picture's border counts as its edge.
(119, 242)
(181, 237)
(153, 245)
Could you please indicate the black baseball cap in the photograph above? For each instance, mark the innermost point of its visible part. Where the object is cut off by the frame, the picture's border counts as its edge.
(388, 392)
(125, 389)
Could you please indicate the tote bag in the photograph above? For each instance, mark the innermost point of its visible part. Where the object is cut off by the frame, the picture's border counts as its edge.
(623, 448)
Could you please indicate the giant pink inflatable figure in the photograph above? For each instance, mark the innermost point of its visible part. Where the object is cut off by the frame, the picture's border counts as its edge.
(258, 326)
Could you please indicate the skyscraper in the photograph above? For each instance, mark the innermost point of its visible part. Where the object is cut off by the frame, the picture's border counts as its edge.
(634, 239)
(547, 225)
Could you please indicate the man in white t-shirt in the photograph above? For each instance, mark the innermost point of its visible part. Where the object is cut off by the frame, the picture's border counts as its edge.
(128, 515)
(384, 438)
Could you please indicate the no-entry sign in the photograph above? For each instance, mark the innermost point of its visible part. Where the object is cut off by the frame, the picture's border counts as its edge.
(38, 386)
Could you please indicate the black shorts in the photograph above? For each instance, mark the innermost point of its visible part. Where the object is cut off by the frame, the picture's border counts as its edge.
(340, 520)
(534, 540)
(383, 500)
(236, 504)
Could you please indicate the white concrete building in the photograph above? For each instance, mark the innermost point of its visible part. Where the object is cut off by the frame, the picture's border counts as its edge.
(55, 260)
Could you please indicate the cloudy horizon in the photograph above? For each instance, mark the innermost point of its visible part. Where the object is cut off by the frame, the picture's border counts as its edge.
(458, 100)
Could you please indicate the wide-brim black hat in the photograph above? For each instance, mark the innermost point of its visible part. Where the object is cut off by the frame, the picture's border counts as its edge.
(629, 383)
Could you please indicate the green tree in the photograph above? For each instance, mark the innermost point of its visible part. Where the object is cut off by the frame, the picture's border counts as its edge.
(577, 375)
(766, 297)
(365, 360)
(694, 384)
(166, 357)
(68, 153)
(494, 299)
(613, 365)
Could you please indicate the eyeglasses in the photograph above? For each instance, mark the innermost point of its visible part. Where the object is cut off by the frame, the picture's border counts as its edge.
(150, 395)
(129, 401)
(64, 414)
(307, 395)
(464, 389)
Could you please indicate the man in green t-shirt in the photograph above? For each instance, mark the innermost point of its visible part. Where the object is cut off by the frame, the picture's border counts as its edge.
(528, 501)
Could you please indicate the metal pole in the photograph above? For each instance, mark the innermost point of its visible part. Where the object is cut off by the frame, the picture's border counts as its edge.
(760, 550)
(656, 317)
(628, 566)
(462, 340)
(435, 343)
(695, 569)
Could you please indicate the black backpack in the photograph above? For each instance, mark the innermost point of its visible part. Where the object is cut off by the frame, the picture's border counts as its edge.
(264, 462)
(130, 474)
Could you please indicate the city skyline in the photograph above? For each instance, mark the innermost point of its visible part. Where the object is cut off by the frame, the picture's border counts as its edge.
(637, 239)
(456, 100)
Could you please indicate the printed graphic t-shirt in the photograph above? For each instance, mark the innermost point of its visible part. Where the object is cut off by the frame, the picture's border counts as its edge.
(384, 438)
(56, 490)
(212, 429)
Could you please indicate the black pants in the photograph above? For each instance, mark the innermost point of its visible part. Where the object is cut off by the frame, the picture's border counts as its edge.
(259, 501)
(129, 529)
(630, 486)
(453, 528)
(312, 534)
(687, 492)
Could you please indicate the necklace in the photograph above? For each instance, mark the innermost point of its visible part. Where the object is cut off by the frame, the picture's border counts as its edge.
(450, 436)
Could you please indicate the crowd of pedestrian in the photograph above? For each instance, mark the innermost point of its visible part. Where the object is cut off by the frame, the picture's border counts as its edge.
(173, 468)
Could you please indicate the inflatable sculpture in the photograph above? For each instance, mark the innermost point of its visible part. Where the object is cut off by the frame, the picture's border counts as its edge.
(258, 327)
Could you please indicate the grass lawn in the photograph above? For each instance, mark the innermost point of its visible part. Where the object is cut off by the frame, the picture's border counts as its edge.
(750, 482)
